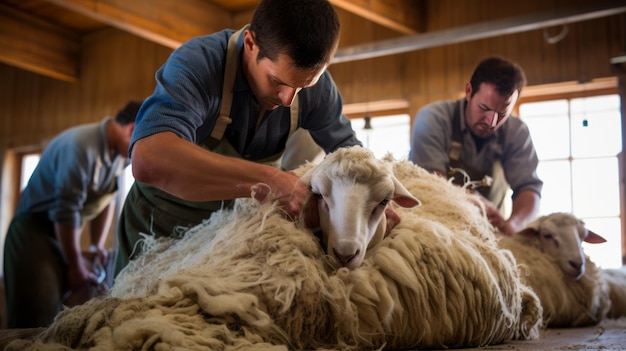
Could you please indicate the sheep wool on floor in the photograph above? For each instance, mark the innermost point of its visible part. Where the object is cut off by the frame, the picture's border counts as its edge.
(248, 279)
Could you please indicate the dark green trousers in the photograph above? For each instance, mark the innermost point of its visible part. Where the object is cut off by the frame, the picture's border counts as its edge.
(34, 272)
(150, 211)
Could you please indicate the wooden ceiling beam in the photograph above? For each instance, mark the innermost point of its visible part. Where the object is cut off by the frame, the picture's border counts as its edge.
(38, 46)
(403, 16)
(166, 22)
(482, 30)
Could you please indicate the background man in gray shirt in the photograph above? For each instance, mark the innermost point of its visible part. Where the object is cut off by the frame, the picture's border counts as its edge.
(476, 135)
(74, 182)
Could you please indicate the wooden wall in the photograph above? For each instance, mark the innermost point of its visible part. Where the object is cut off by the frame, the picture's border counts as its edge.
(117, 66)
(441, 72)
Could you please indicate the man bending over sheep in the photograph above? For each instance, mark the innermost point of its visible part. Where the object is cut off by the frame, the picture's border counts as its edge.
(192, 153)
(475, 134)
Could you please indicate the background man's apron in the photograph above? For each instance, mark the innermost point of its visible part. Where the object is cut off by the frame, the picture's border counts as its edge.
(497, 191)
(156, 212)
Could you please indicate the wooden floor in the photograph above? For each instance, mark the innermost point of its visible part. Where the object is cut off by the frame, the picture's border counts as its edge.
(607, 336)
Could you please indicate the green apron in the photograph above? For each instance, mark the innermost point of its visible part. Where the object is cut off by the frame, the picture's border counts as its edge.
(149, 210)
(97, 201)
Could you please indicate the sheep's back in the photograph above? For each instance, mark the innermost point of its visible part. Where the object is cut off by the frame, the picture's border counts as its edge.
(427, 286)
(249, 276)
(566, 302)
(616, 278)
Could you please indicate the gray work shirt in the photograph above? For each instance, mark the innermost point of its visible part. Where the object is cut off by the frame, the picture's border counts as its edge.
(76, 176)
(432, 138)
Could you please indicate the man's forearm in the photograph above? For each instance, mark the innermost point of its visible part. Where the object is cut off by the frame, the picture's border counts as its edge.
(192, 173)
(69, 237)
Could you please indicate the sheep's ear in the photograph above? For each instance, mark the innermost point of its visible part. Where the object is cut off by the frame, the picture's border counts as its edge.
(593, 238)
(531, 228)
(403, 197)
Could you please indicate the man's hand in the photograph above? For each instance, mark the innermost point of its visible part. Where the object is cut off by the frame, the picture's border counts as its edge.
(495, 217)
(80, 275)
(292, 195)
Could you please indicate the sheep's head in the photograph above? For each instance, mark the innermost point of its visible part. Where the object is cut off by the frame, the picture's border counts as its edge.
(561, 236)
(353, 190)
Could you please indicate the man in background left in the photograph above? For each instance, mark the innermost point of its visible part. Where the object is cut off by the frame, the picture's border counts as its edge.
(74, 182)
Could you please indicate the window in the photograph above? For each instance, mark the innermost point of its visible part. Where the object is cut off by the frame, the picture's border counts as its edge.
(382, 135)
(29, 163)
(577, 142)
(126, 180)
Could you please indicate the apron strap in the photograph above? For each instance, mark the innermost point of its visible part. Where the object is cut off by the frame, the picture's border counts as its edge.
(293, 112)
(227, 89)
(227, 97)
(457, 140)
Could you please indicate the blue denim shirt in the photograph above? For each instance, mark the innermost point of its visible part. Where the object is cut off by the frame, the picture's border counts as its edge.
(187, 98)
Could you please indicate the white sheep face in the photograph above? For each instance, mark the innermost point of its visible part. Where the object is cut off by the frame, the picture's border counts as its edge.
(561, 236)
(353, 191)
(349, 221)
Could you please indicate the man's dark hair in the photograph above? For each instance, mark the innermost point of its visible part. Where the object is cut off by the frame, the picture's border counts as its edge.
(305, 30)
(505, 75)
(128, 114)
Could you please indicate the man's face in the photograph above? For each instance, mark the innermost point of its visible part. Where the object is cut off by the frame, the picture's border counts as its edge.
(487, 110)
(275, 83)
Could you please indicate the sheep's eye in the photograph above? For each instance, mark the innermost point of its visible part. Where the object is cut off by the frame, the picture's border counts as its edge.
(381, 205)
(318, 196)
(551, 238)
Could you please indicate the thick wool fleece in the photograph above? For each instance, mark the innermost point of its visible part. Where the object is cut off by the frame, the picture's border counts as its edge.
(248, 279)
(566, 302)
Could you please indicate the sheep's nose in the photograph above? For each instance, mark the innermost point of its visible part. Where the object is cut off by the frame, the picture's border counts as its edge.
(345, 258)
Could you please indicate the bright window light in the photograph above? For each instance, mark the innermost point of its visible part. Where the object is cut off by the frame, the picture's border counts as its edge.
(29, 163)
(389, 134)
(577, 142)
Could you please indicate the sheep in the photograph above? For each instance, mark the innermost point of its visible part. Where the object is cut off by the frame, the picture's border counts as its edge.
(248, 278)
(353, 191)
(616, 279)
(560, 235)
(569, 285)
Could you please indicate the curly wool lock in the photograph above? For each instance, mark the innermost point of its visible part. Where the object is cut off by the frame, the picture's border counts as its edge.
(567, 301)
(249, 279)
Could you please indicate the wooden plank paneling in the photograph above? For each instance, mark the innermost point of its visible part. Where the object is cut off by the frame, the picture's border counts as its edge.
(482, 29)
(436, 71)
(403, 16)
(30, 43)
(116, 67)
(169, 23)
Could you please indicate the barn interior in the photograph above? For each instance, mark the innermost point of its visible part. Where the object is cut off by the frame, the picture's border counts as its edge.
(69, 62)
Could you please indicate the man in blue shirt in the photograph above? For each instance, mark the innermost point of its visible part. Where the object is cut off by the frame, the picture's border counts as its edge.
(74, 182)
(222, 111)
(476, 136)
